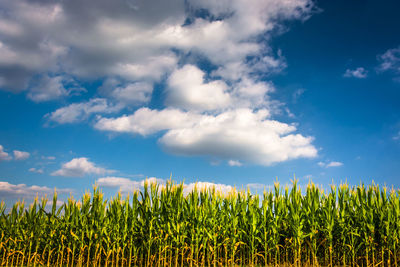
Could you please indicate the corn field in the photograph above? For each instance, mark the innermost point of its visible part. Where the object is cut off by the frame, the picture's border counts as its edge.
(160, 226)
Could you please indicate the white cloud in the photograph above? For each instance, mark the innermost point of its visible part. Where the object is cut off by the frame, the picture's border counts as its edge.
(21, 155)
(36, 170)
(146, 121)
(234, 163)
(390, 61)
(239, 134)
(334, 164)
(330, 164)
(79, 167)
(188, 90)
(135, 39)
(126, 185)
(360, 73)
(132, 45)
(223, 188)
(4, 155)
(22, 190)
(78, 112)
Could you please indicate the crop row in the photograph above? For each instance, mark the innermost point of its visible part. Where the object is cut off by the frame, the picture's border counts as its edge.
(160, 226)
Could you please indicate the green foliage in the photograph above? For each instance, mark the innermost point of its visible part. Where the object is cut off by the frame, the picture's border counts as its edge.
(159, 226)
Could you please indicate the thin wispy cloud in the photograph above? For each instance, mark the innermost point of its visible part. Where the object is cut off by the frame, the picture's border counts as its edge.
(3, 154)
(330, 164)
(21, 155)
(359, 73)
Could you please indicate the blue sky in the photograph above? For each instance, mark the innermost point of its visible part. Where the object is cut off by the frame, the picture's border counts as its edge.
(233, 93)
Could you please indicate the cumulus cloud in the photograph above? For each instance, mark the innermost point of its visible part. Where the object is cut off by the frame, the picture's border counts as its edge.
(78, 112)
(4, 155)
(359, 73)
(146, 121)
(133, 39)
(79, 167)
(188, 90)
(133, 45)
(21, 155)
(330, 164)
(240, 134)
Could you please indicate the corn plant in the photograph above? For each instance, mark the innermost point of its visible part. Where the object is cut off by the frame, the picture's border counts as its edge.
(162, 226)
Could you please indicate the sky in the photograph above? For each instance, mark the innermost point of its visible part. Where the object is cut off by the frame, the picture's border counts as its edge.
(225, 93)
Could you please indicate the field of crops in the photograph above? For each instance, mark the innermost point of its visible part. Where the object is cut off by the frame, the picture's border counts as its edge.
(159, 226)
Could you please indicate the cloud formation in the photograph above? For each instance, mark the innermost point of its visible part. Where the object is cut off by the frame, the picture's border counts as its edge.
(133, 40)
(240, 134)
(78, 112)
(79, 167)
(390, 62)
(126, 185)
(14, 190)
(21, 155)
(223, 110)
(4, 155)
(359, 73)
(330, 164)
(40, 171)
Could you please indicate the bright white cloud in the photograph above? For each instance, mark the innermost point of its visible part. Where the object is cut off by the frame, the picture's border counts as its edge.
(330, 164)
(78, 112)
(146, 121)
(21, 155)
(188, 90)
(79, 167)
(359, 73)
(239, 134)
(223, 188)
(132, 45)
(4, 155)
